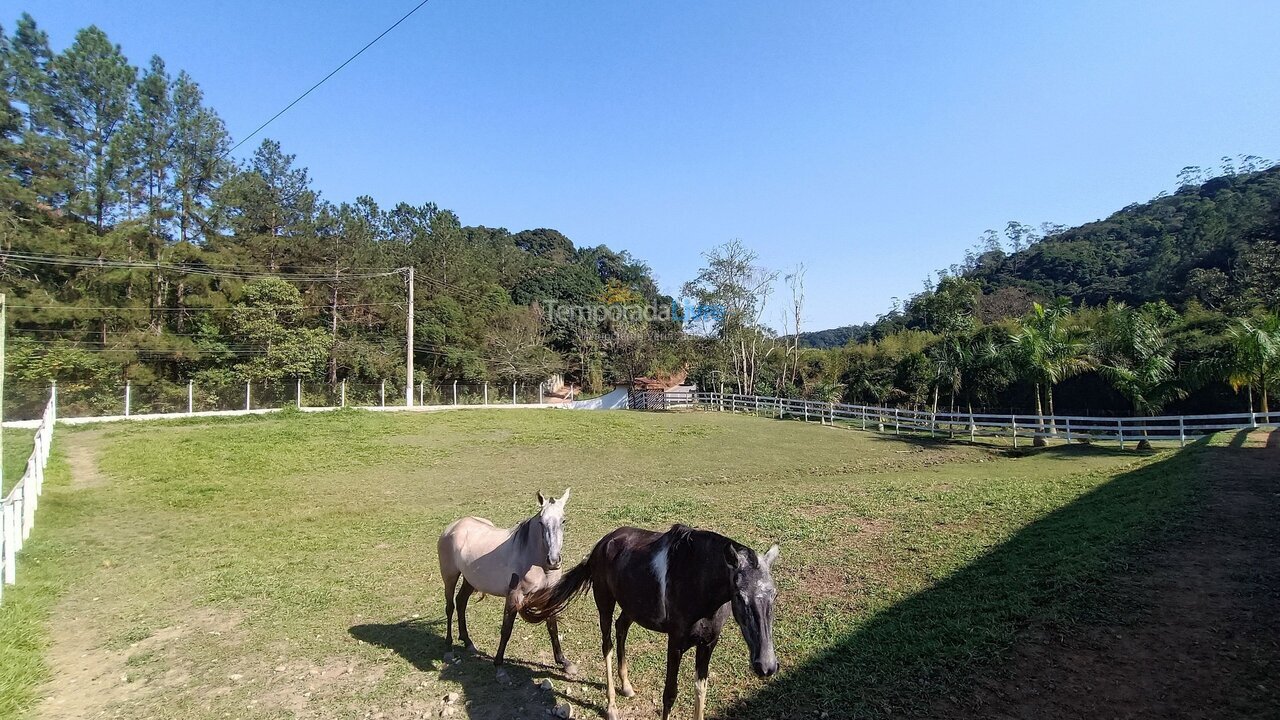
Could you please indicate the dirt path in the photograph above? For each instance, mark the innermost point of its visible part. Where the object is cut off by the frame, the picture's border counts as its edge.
(86, 678)
(83, 449)
(1201, 636)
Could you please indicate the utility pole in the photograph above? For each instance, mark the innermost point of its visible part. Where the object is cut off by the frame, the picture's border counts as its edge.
(408, 353)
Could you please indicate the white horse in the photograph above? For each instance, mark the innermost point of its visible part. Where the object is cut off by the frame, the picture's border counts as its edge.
(510, 563)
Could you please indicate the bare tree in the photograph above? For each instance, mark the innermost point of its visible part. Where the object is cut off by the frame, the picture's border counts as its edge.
(730, 295)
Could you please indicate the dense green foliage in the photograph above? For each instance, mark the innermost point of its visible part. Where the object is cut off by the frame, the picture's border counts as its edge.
(835, 337)
(136, 249)
(1217, 242)
(1148, 309)
(133, 249)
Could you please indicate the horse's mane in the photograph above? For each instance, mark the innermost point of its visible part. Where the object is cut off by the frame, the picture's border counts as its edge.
(521, 531)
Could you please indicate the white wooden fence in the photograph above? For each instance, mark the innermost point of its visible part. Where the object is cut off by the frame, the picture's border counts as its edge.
(19, 507)
(1016, 428)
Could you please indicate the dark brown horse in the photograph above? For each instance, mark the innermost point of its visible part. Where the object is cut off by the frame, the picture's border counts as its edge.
(683, 583)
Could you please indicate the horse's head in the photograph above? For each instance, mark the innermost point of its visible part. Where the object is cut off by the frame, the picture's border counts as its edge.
(551, 519)
(753, 595)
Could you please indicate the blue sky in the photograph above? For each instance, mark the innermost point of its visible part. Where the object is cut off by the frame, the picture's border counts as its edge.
(871, 141)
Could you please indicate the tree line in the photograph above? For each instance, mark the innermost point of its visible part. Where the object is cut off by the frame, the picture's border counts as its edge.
(1169, 305)
(136, 249)
(133, 248)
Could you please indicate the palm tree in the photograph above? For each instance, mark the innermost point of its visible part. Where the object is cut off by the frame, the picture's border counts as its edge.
(1050, 350)
(1254, 359)
(829, 393)
(1138, 360)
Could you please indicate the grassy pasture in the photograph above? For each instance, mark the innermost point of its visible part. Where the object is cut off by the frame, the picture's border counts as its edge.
(284, 566)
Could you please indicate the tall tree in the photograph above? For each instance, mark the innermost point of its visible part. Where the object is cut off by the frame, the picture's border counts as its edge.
(1050, 350)
(271, 204)
(730, 292)
(199, 166)
(150, 132)
(1137, 357)
(94, 86)
(41, 158)
(1253, 359)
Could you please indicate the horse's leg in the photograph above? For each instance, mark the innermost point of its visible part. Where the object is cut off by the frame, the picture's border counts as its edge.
(702, 666)
(464, 594)
(450, 583)
(604, 604)
(675, 651)
(514, 598)
(621, 627)
(553, 628)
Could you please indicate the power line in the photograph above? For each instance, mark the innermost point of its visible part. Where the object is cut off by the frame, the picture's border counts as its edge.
(86, 262)
(325, 78)
(196, 308)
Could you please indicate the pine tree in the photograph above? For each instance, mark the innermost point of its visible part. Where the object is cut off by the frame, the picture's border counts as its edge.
(94, 86)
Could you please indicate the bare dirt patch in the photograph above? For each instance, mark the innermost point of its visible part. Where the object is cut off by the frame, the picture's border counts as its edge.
(93, 674)
(1199, 635)
(83, 449)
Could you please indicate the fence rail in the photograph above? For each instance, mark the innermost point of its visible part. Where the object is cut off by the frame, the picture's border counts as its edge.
(135, 400)
(18, 510)
(1069, 428)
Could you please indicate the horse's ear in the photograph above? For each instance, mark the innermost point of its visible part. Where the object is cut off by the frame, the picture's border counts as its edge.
(565, 497)
(770, 556)
(541, 500)
(731, 556)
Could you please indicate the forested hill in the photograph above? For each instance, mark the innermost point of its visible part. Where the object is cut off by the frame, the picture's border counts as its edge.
(1214, 242)
(835, 337)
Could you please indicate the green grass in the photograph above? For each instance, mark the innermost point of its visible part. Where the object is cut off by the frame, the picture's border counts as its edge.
(17, 448)
(271, 566)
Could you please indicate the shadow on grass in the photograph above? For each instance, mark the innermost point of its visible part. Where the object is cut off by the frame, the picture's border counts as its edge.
(487, 693)
(1051, 573)
(1055, 447)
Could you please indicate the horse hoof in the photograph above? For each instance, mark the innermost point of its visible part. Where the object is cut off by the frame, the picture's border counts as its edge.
(448, 658)
(502, 676)
(472, 649)
(610, 715)
(570, 669)
(627, 691)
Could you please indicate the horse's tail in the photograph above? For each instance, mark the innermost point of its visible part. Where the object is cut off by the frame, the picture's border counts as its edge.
(550, 601)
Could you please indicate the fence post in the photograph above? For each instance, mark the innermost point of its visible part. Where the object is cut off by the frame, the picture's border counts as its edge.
(897, 425)
(973, 429)
(128, 392)
(299, 393)
(1013, 421)
(540, 393)
(455, 392)
(247, 397)
(28, 504)
(1182, 433)
(1120, 431)
(344, 394)
(513, 393)
(191, 406)
(486, 392)
(1253, 419)
(422, 390)
(1068, 422)
(382, 394)
(10, 544)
